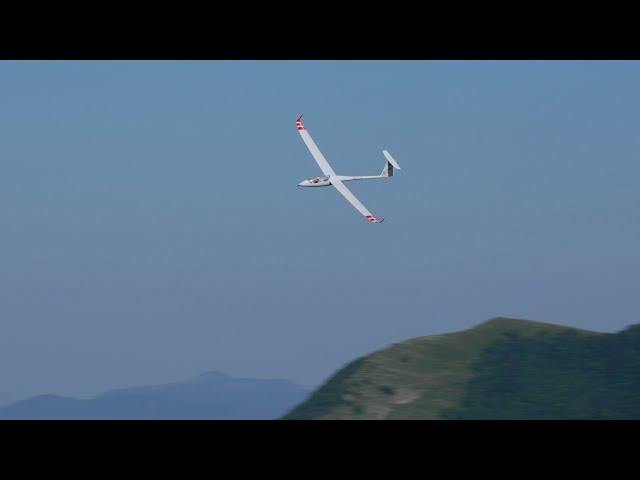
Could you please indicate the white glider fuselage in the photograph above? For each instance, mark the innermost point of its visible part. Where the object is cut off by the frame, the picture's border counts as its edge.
(315, 182)
(325, 181)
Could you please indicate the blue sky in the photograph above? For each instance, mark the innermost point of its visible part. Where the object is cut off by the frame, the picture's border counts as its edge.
(152, 228)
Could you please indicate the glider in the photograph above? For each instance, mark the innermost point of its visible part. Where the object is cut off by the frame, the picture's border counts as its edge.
(331, 178)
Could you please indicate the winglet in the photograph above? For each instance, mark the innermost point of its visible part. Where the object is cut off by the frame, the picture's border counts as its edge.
(373, 219)
(299, 125)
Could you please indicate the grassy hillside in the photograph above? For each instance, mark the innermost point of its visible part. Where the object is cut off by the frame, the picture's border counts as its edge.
(559, 376)
(422, 378)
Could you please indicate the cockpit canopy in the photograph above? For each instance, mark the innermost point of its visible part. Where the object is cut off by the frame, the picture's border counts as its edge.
(319, 179)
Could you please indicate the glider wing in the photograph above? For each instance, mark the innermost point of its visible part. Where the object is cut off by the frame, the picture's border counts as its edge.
(346, 193)
(313, 148)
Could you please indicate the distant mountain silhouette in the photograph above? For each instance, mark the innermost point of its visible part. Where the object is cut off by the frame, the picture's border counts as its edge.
(211, 395)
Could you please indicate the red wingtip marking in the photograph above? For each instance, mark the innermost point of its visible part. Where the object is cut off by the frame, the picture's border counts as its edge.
(299, 125)
(373, 219)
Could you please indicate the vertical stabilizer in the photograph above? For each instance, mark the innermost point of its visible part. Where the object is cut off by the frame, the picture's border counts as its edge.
(387, 171)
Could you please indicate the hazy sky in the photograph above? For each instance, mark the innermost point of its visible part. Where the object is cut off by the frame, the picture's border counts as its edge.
(152, 228)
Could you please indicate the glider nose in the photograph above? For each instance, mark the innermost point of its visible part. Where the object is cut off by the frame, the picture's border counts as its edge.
(303, 183)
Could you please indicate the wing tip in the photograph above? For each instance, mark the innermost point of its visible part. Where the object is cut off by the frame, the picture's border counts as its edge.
(373, 219)
(299, 125)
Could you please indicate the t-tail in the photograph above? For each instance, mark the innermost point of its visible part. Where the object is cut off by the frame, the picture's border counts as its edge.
(387, 171)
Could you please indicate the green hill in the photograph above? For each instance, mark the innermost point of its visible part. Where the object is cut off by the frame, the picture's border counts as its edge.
(502, 368)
